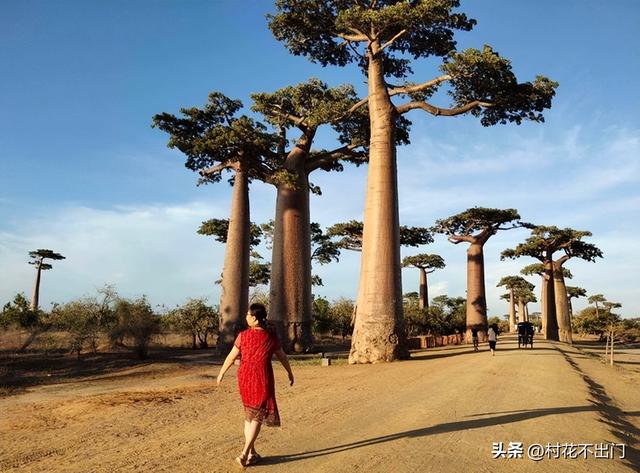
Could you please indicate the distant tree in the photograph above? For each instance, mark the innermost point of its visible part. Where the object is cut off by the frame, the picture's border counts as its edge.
(348, 235)
(135, 321)
(379, 37)
(597, 299)
(197, 319)
(573, 292)
(475, 226)
(18, 313)
(543, 243)
(512, 283)
(82, 320)
(427, 264)
(38, 257)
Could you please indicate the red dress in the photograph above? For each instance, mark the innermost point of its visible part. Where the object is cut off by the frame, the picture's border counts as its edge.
(255, 375)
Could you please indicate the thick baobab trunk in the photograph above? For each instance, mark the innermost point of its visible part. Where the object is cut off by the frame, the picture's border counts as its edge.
(235, 273)
(476, 299)
(526, 311)
(562, 304)
(549, 304)
(290, 288)
(35, 299)
(423, 301)
(512, 312)
(378, 333)
(522, 315)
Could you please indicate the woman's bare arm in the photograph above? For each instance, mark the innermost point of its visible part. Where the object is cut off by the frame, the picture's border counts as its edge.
(228, 361)
(282, 358)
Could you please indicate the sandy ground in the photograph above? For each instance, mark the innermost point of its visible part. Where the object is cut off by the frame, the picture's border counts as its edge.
(439, 412)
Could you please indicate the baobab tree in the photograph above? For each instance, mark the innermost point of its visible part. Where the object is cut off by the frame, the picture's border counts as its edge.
(259, 273)
(511, 283)
(379, 36)
(475, 226)
(304, 108)
(427, 264)
(573, 292)
(524, 295)
(596, 300)
(542, 244)
(214, 138)
(538, 269)
(38, 257)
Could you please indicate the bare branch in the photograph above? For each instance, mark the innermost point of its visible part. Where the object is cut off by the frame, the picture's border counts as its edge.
(218, 168)
(419, 87)
(321, 159)
(455, 239)
(392, 40)
(437, 111)
(353, 37)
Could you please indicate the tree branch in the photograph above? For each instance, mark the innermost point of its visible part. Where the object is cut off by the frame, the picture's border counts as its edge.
(353, 37)
(321, 159)
(417, 88)
(218, 168)
(455, 239)
(400, 34)
(437, 111)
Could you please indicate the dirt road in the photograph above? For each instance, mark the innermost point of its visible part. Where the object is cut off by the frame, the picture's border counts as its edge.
(441, 412)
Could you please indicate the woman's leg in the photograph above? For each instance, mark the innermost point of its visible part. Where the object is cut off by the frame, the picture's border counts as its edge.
(251, 431)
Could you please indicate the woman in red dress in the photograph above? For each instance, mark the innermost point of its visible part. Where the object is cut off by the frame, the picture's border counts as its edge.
(257, 345)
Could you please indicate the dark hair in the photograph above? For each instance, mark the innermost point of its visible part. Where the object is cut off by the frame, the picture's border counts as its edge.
(259, 311)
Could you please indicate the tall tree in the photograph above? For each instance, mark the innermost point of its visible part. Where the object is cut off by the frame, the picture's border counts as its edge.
(573, 292)
(524, 295)
(427, 264)
(379, 35)
(475, 226)
(538, 269)
(511, 283)
(596, 300)
(215, 139)
(38, 257)
(304, 108)
(543, 243)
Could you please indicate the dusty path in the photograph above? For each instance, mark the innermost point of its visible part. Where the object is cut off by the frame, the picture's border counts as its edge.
(439, 412)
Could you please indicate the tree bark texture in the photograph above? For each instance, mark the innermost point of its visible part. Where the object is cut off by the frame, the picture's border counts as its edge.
(550, 330)
(290, 288)
(512, 312)
(423, 302)
(35, 298)
(476, 299)
(378, 334)
(234, 298)
(562, 304)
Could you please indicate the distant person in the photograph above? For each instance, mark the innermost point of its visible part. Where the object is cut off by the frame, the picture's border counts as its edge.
(474, 338)
(492, 336)
(255, 378)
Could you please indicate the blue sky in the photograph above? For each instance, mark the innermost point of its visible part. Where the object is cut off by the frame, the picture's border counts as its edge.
(83, 173)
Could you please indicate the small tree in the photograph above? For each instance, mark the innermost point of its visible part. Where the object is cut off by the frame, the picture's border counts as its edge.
(135, 321)
(38, 257)
(512, 283)
(83, 322)
(427, 264)
(573, 292)
(197, 319)
(18, 313)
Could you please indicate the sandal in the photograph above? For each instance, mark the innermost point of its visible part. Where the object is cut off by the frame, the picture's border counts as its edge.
(242, 461)
(253, 458)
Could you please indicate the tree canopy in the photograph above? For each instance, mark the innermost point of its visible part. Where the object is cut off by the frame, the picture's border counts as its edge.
(477, 223)
(349, 235)
(424, 261)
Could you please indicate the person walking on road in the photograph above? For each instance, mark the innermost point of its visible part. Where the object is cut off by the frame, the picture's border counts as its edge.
(492, 336)
(257, 345)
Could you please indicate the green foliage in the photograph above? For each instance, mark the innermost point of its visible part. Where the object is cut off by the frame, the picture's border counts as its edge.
(445, 316)
(478, 219)
(503, 325)
(514, 282)
(196, 319)
(538, 269)
(348, 235)
(215, 136)
(259, 273)
(83, 320)
(546, 240)
(42, 254)
(320, 29)
(219, 228)
(424, 261)
(332, 317)
(18, 314)
(323, 249)
(573, 292)
(135, 320)
(596, 298)
(487, 77)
